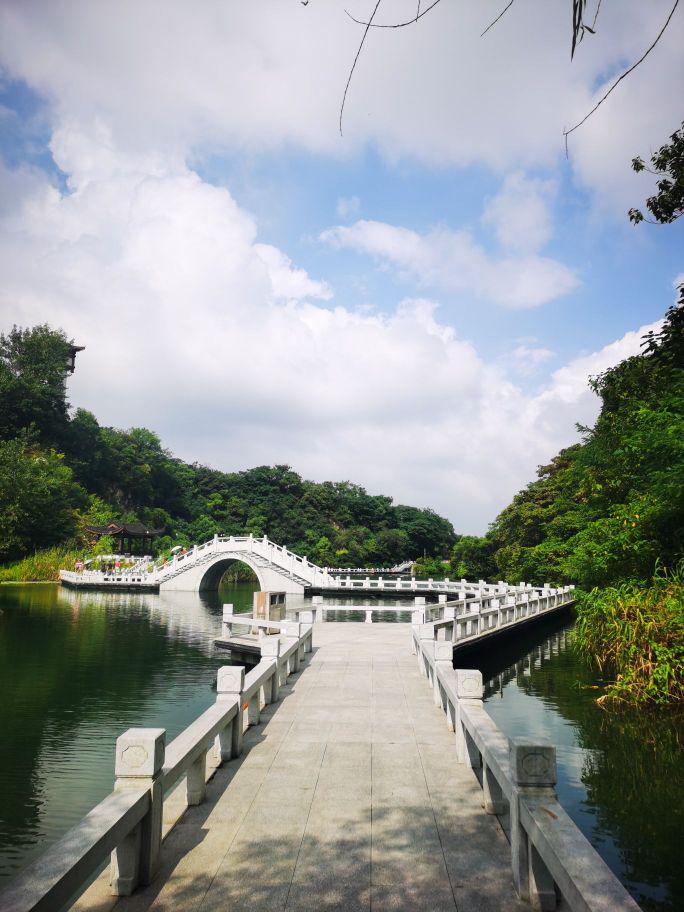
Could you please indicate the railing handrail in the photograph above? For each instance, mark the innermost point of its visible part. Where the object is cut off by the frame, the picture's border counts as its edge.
(197, 737)
(258, 676)
(248, 620)
(66, 868)
(301, 570)
(57, 875)
(560, 854)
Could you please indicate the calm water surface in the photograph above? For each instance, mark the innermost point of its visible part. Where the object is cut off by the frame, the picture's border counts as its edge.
(620, 774)
(78, 669)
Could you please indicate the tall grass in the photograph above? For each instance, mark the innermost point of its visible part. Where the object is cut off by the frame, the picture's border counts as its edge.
(636, 636)
(43, 566)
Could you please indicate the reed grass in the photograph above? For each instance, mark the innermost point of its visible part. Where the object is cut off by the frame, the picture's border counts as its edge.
(41, 567)
(636, 637)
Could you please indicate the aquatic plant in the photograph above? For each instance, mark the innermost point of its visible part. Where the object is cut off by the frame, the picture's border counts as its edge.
(635, 634)
(41, 567)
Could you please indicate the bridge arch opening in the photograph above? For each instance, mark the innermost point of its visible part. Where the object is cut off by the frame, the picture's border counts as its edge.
(244, 572)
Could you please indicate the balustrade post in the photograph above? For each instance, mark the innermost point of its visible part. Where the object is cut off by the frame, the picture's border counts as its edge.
(270, 649)
(494, 798)
(196, 780)
(469, 691)
(254, 708)
(293, 630)
(138, 765)
(533, 773)
(230, 683)
(226, 623)
(308, 617)
(444, 658)
(417, 618)
(426, 634)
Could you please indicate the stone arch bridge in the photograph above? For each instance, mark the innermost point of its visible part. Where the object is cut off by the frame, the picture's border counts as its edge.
(276, 568)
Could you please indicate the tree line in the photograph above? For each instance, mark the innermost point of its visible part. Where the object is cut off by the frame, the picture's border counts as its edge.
(60, 471)
(611, 507)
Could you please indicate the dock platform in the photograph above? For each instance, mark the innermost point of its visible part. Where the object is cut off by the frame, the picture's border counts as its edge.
(346, 797)
(352, 768)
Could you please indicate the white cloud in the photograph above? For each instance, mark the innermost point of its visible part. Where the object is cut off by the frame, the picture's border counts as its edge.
(569, 383)
(519, 214)
(195, 329)
(288, 282)
(171, 81)
(453, 261)
(348, 206)
(528, 357)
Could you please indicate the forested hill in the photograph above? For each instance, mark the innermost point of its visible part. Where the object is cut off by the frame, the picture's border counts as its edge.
(610, 508)
(59, 471)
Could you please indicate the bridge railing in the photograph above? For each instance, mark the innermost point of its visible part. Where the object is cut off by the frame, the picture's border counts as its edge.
(286, 560)
(97, 577)
(460, 588)
(464, 619)
(127, 824)
(550, 857)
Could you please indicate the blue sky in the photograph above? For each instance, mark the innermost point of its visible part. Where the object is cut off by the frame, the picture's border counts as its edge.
(415, 306)
(626, 272)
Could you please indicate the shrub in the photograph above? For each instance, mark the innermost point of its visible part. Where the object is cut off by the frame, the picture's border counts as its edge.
(636, 635)
(41, 567)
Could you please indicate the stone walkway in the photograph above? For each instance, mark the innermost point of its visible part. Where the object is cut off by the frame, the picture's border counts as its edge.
(348, 796)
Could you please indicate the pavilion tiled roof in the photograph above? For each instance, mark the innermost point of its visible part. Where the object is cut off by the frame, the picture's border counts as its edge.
(133, 530)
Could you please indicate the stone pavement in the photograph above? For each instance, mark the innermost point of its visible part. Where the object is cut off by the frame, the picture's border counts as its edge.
(348, 796)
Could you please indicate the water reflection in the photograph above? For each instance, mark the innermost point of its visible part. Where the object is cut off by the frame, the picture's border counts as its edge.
(620, 774)
(76, 670)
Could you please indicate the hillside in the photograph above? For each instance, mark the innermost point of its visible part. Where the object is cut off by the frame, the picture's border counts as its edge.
(611, 507)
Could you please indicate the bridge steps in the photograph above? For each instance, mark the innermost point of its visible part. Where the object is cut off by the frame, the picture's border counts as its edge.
(347, 795)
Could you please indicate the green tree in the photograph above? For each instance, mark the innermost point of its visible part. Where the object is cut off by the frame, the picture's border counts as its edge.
(33, 368)
(667, 164)
(39, 499)
(610, 508)
(472, 558)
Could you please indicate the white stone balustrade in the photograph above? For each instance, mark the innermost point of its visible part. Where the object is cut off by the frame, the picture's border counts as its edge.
(550, 857)
(127, 824)
(138, 767)
(280, 570)
(470, 618)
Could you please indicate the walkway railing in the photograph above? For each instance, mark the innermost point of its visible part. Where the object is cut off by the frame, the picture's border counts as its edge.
(127, 577)
(278, 555)
(460, 588)
(128, 823)
(261, 552)
(549, 854)
(466, 619)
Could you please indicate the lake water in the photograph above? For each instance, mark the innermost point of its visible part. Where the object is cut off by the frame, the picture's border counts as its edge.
(78, 669)
(620, 774)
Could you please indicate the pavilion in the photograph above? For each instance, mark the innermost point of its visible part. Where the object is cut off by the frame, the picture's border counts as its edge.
(127, 533)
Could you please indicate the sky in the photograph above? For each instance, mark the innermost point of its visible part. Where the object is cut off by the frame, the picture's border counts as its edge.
(414, 305)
